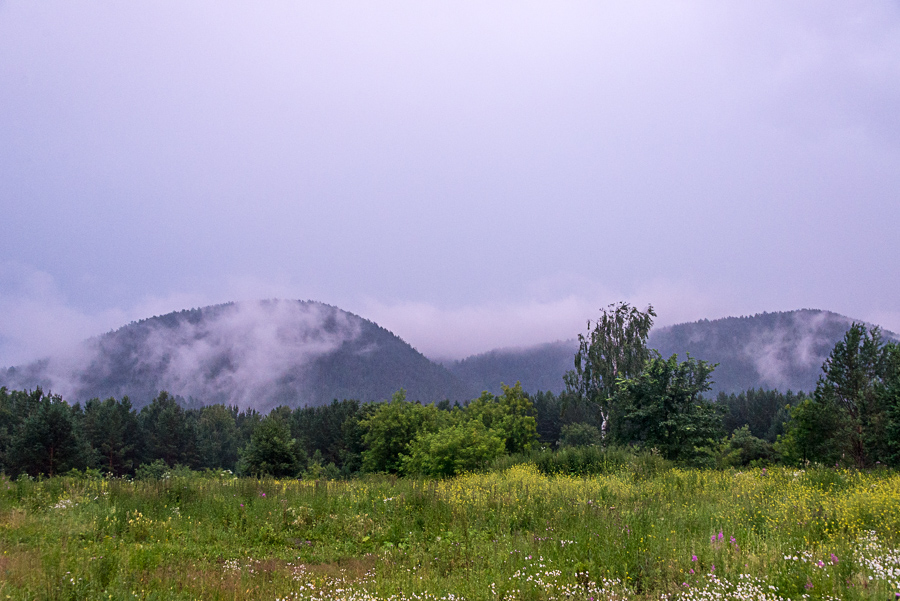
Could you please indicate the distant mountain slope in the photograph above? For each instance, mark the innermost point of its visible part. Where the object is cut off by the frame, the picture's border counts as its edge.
(537, 368)
(782, 350)
(256, 354)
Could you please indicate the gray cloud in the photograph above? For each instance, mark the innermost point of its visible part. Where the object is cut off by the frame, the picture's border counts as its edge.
(498, 167)
(35, 318)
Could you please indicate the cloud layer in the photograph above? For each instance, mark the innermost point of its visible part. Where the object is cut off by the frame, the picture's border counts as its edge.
(469, 175)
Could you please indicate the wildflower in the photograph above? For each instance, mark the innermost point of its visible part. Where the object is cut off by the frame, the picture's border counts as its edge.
(692, 570)
(834, 558)
(721, 536)
(712, 568)
(693, 558)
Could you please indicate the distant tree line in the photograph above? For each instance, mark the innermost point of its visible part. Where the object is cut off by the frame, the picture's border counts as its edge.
(620, 394)
(41, 434)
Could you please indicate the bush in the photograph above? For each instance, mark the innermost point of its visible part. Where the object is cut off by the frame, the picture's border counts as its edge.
(452, 450)
(743, 448)
(391, 428)
(580, 435)
(155, 470)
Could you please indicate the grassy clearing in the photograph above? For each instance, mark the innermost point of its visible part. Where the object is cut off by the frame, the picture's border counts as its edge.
(512, 534)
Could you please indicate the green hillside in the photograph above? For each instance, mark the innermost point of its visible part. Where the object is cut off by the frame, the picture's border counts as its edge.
(258, 355)
(783, 350)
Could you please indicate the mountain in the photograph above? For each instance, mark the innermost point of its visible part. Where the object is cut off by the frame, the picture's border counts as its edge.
(537, 368)
(254, 354)
(267, 353)
(783, 350)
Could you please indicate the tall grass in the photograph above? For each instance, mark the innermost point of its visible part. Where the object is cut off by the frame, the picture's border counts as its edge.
(587, 461)
(638, 529)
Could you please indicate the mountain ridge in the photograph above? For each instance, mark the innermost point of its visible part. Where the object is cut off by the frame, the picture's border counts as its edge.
(266, 353)
(258, 353)
(782, 349)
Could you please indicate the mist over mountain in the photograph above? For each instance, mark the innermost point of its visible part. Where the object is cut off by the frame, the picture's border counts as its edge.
(783, 350)
(252, 354)
(267, 353)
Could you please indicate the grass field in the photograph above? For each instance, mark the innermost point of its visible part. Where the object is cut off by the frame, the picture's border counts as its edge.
(513, 534)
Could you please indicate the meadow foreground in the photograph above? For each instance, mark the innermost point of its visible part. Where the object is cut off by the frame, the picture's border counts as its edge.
(638, 533)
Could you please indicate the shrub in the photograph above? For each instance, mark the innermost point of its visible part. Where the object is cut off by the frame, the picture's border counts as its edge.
(452, 450)
(580, 435)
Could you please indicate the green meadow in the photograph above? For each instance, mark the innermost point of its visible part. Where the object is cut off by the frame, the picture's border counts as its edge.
(643, 530)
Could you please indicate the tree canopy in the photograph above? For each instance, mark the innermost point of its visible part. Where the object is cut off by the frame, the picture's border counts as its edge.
(615, 347)
(854, 414)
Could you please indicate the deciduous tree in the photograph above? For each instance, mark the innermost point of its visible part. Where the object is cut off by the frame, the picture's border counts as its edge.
(614, 347)
(663, 408)
(511, 415)
(454, 449)
(390, 429)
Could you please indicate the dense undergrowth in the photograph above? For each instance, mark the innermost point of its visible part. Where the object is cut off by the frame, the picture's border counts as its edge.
(638, 530)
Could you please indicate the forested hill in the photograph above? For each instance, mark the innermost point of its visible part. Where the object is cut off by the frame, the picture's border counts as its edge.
(537, 367)
(254, 354)
(263, 354)
(783, 350)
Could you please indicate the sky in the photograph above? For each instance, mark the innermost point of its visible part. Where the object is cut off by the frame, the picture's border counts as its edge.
(469, 175)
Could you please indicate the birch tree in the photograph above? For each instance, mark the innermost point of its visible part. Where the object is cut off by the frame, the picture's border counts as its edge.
(615, 347)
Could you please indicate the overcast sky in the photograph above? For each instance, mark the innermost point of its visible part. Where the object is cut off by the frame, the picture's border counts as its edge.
(467, 174)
